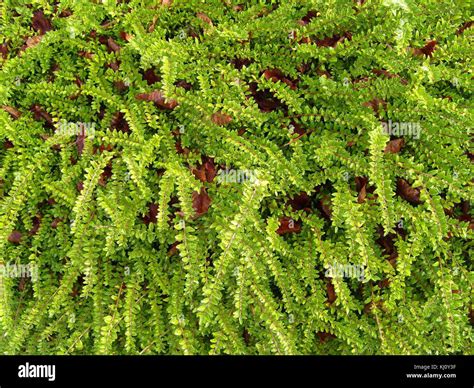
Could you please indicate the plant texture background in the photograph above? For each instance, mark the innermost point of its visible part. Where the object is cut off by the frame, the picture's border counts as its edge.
(236, 177)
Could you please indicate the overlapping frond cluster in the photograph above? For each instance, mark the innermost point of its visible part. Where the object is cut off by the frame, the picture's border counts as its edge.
(236, 177)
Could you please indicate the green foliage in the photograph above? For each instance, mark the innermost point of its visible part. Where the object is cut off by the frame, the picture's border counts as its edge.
(141, 249)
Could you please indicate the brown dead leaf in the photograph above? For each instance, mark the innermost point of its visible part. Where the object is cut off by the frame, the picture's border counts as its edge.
(180, 149)
(15, 113)
(15, 237)
(205, 172)
(332, 41)
(183, 84)
(102, 148)
(307, 18)
(86, 54)
(387, 74)
(4, 50)
(375, 103)
(55, 223)
(40, 114)
(119, 123)
(106, 175)
(36, 224)
(7, 144)
(383, 72)
(115, 65)
(151, 77)
(40, 23)
(201, 202)
(221, 118)
(204, 18)
(120, 86)
(80, 139)
(126, 36)
(324, 337)
(362, 195)
(150, 216)
(384, 283)
(427, 49)
(173, 249)
(159, 99)
(112, 45)
(373, 305)
(464, 27)
(65, 13)
(31, 42)
(394, 146)
(304, 67)
(265, 99)
(407, 192)
(323, 73)
(331, 292)
(273, 74)
(301, 201)
(153, 24)
(276, 75)
(239, 63)
(288, 225)
(325, 206)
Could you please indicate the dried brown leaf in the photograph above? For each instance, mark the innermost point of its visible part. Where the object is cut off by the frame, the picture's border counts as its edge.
(40, 23)
(15, 237)
(159, 99)
(407, 192)
(201, 202)
(427, 49)
(105, 176)
(464, 27)
(205, 172)
(151, 77)
(15, 113)
(331, 292)
(4, 50)
(394, 146)
(288, 225)
(221, 118)
(31, 42)
(362, 195)
(112, 45)
(375, 103)
(308, 17)
(55, 223)
(119, 123)
(325, 206)
(80, 139)
(301, 201)
(150, 216)
(204, 18)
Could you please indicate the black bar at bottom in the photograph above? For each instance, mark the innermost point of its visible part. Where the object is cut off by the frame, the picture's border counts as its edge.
(311, 371)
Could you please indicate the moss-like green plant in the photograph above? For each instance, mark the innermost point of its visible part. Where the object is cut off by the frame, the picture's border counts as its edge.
(236, 177)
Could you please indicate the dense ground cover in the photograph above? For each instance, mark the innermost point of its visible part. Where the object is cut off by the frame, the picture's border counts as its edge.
(254, 177)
